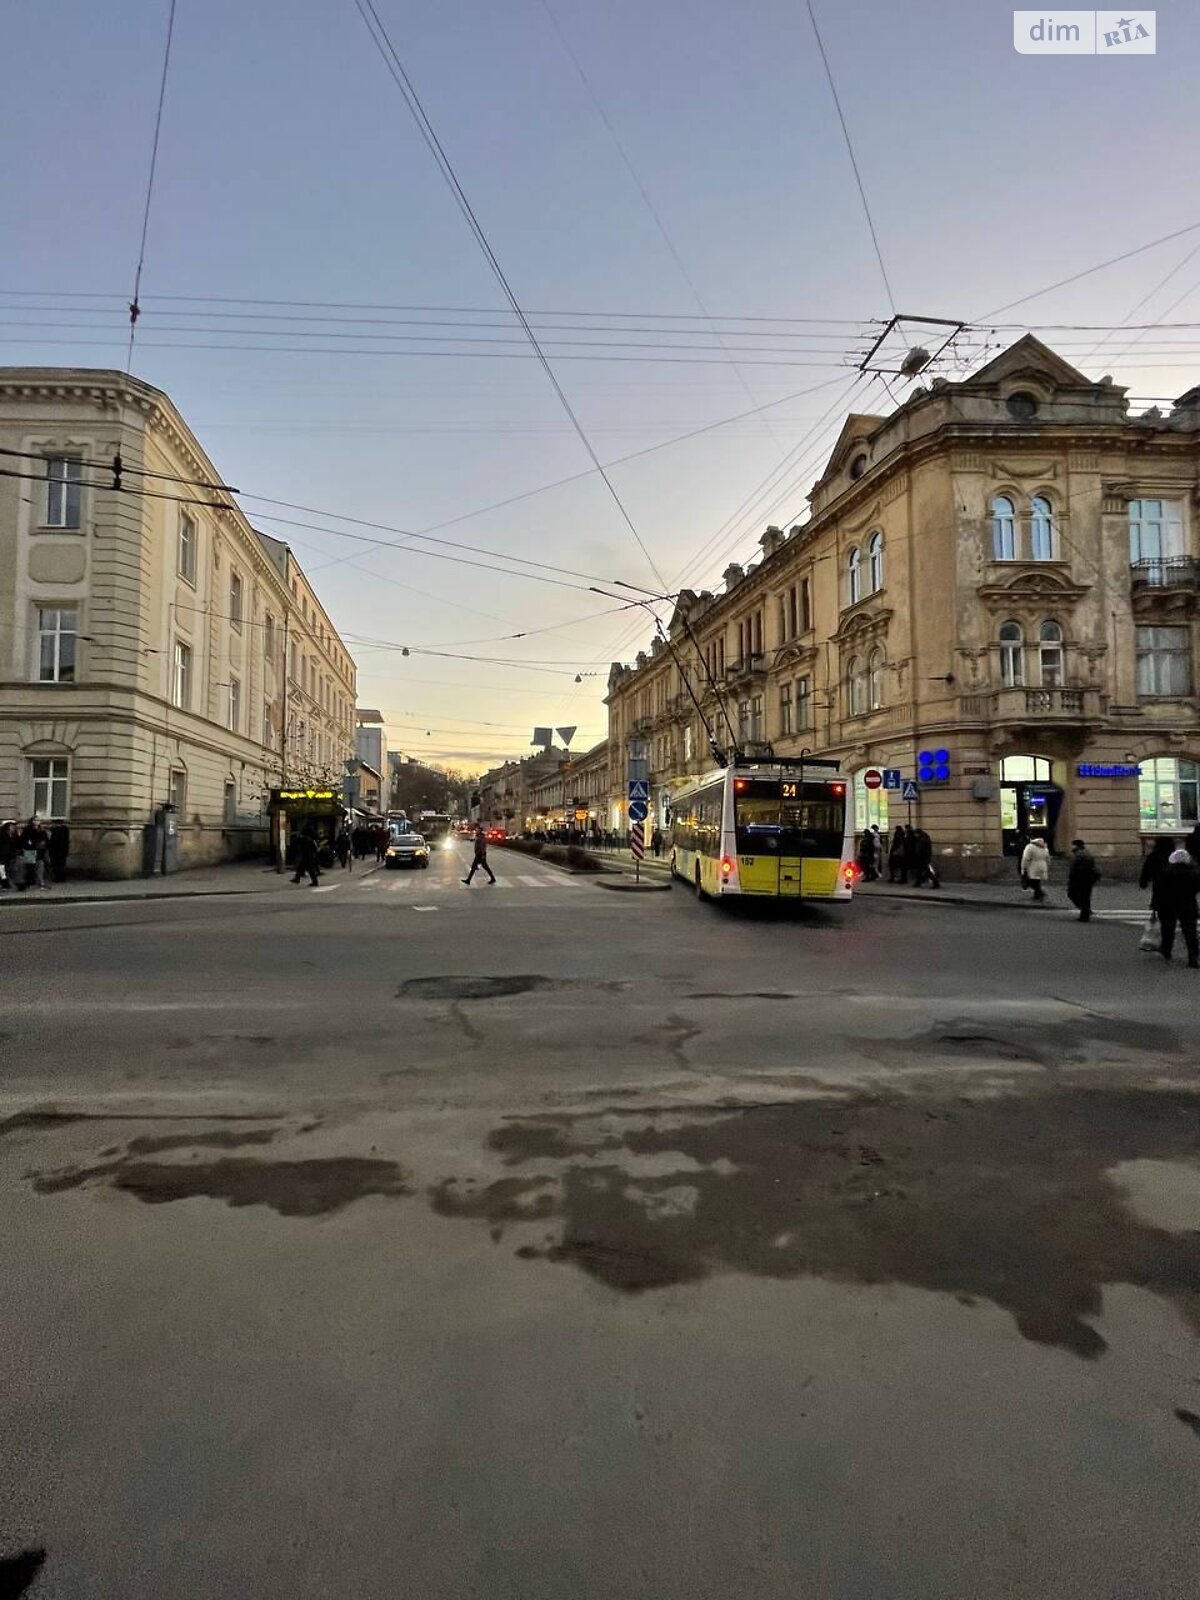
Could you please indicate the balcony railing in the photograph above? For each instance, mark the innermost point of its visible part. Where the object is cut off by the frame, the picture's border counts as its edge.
(1166, 572)
(1041, 705)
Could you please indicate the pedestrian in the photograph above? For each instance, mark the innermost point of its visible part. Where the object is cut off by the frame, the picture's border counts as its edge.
(1081, 879)
(381, 843)
(866, 856)
(1176, 892)
(1153, 863)
(307, 858)
(59, 848)
(898, 857)
(1035, 867)
(1177, 888)
(34, 840)
(923, 866)
(656, 842)
(8, 855)
(480, 858)
(342, 846)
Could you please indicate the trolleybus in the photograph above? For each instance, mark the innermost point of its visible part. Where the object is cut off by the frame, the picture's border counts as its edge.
(769, 828)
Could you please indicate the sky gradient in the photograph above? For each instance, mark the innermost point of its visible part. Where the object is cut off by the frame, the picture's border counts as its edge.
(291, 170)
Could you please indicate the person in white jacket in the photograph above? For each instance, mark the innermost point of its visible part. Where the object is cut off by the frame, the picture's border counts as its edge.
(1035, 867)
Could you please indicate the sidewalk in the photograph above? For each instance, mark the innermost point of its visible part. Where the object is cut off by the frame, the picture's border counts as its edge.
(1120, 900)
(234, 877)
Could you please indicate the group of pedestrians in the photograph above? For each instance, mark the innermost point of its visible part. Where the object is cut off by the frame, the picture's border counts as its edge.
(909, 853)
(1171, 872)
(32, 854)
(367, 841)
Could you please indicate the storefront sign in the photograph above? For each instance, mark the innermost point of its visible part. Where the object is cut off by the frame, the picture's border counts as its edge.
(1091, 769)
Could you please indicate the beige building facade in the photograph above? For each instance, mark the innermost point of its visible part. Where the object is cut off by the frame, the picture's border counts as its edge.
(996, 587)
(160, 660)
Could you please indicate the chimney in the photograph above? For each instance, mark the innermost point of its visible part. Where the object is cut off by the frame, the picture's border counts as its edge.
(732, 575)
(771, 540)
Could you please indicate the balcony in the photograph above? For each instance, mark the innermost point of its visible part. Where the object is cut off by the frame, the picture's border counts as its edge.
(1165, 572)
(1042, 705)
(746, 668)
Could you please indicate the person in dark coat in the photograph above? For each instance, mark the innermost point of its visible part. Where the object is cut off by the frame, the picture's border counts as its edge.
(381, 843)
(867, 857)
(308, 858)
(342, 846)
(922, 859)
(898, 857)
(1153, 867)
(59, 849)
(9, 853)
(1176, 889)
(1081, 879)
(480, 858)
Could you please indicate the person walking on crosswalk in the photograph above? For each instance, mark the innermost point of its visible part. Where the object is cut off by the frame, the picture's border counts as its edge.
(480, 858)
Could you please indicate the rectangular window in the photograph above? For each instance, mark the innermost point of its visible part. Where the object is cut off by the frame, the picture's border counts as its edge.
(48, 777)
(803, 704)
(785, 708)
(793, 611)
(181, 683)
(235, 600)
(805, 606)
(57, 631)
(177, 790)
(1164, 662)
(1155, 529)
(268, 729)
(235, 705)
(230, 803)
(63, 474)
(756, 644)
(186, 563)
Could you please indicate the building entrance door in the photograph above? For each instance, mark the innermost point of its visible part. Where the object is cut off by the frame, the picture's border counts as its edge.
(1030, 802)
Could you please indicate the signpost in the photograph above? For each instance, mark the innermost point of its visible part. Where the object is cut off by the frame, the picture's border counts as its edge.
(872, 778)
(909, 792)
(639, 802)
(637, 843)
(891, 777)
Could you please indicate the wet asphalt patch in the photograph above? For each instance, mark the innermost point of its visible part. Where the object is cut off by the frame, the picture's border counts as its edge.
(455, 986)
(1007, 1199)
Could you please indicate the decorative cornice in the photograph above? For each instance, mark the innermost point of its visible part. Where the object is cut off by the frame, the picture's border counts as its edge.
(1002, 469)
(1033, 585)
(867, 622)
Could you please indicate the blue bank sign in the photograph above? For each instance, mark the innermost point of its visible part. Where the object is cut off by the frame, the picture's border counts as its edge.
(1089, 769)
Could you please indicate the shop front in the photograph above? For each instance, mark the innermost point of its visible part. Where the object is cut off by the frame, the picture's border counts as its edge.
(1031, 801)
(298, 811)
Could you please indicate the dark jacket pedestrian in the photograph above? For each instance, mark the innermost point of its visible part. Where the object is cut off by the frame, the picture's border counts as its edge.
(1082, 875)
(8, 855)
(479, 858)
(898, 857)
(59, 848)
(656, 841)
(867, 858)
(307, 859)
(1153, 867)
(1177, 888)
(922, 861)
(342, 846)
(381, 843)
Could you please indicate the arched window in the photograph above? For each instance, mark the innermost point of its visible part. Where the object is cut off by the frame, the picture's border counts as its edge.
(854, 577)
(1004, 529)
(875, 680)
(856, 686)
(875, 561)
(1050, 654)
(1041, 529)
(1012, 656)
(1169, 795)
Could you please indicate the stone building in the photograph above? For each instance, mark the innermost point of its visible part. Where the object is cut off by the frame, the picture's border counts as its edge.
(573, 796)
(996, 587)
(158, 654)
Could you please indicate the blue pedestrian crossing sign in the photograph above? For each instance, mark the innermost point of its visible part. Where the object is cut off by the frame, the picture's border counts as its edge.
(909, 791)
(639, 789)
(891, 777)
(637, 810)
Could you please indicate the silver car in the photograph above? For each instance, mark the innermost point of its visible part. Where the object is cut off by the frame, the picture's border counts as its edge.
(407, 850)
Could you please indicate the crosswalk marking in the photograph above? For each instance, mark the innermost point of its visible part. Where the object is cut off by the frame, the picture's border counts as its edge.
(377, 884)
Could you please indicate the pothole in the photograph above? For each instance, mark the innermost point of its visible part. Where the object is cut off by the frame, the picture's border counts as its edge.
(468, 988)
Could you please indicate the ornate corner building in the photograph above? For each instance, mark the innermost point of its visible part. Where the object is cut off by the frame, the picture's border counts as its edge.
(163, 665)
(1003, 570)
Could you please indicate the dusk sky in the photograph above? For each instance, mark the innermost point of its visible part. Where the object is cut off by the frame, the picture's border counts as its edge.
(291, 170)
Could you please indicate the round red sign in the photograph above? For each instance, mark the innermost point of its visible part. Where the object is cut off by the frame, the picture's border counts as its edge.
(873, 778)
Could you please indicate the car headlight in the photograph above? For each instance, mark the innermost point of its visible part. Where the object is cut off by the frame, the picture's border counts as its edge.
(393, 852)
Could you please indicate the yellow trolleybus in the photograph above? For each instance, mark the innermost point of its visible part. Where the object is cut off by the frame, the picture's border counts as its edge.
(772, 828)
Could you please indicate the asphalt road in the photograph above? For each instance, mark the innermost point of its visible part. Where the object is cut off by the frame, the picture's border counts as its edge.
(395, 1238)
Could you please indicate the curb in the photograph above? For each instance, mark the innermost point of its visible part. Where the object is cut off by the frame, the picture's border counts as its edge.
(121, 899)
(626, 885)
(939, 897)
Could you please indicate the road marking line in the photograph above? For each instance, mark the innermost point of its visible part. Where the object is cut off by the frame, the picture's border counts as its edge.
(425, 908)
(327, 888)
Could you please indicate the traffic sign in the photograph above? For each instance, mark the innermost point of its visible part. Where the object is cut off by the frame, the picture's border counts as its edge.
(891, 777)
(637, 840)
(909, 791)
(637, 810)
(873, 778)
(639, 788)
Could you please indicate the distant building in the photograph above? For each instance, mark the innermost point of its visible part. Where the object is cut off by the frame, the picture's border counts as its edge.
(996, 594)
(160, 658)
(370, 740)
